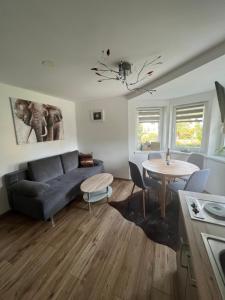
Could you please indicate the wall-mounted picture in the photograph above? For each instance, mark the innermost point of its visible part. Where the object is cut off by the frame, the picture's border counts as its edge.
(97, 115)
(35, 122)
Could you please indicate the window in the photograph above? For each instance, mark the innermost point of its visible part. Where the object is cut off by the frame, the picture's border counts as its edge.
(148, 128)
(188, 127)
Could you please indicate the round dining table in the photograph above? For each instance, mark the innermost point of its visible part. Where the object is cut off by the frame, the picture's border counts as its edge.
(167, 173)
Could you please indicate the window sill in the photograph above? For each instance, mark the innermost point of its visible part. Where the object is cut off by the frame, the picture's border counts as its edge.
(217, 158)
(180, 152)
(146, 151)
(164, 151)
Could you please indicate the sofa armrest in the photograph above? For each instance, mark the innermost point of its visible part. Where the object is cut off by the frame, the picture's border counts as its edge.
(98, 162)
(29, 188)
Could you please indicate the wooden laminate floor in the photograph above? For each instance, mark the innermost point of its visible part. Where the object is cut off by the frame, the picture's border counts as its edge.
(84, 257)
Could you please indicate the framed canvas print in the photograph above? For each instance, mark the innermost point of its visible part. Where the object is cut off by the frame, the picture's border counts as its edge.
(97, 115)
(36, 122)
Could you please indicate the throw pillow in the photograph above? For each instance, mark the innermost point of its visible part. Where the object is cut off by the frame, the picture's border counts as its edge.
(86, 160)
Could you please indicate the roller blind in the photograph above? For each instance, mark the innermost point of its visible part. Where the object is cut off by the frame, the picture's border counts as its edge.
(148, 115)
(190, 113)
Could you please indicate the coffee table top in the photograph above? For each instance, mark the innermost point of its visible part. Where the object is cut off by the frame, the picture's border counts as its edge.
(96, 183)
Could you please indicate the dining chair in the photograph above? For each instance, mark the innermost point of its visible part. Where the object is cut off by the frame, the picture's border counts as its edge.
(154, 155)
(196, 183)
(196, 159)
(144, 183)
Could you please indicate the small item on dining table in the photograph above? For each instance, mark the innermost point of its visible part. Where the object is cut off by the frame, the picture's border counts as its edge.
(168, 156)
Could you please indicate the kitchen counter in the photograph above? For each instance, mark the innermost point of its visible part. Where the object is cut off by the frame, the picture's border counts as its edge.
(207, 286)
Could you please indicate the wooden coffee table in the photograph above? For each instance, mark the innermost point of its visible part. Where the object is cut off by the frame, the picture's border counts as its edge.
(96, 188)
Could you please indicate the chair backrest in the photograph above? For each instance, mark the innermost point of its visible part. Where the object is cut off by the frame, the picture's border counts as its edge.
(197, 181)
(196, 159)
(154, 155)
(136, 175)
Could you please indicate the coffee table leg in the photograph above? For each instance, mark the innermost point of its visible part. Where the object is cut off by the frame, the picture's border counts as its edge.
(89, 203)
(107, 191)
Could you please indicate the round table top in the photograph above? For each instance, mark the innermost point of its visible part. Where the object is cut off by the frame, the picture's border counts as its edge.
(176, 168)
(96, 183)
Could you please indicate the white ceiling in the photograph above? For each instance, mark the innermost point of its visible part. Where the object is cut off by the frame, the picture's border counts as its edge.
(200, 80)
(72, 33)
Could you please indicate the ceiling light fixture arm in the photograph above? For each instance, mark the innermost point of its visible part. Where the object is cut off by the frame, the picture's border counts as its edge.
(124, 70)
(108, 69)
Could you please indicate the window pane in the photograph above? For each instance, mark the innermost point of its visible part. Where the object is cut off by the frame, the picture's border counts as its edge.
(189, 134)
(148, 121)
(189, 126)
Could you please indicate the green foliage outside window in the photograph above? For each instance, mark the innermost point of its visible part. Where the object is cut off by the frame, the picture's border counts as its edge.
(189, 134)
(145, 136)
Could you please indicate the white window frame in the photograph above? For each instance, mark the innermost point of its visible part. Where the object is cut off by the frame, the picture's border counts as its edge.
(203, 147)
(161, 119)
(222, 141)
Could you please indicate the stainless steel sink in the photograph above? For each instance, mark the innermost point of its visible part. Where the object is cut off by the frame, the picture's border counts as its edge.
(215, 247)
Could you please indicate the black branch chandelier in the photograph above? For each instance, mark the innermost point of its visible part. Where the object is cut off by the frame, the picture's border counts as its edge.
(124, 70)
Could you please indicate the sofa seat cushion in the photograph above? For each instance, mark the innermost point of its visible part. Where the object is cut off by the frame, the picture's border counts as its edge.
(66, 187)
(91, 171)
(45, 169)
(51, 201)
(66, 182)
(62, 190)
(70, 161)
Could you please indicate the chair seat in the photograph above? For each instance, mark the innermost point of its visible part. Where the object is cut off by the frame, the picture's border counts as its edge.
(152, 183)
(176, 186)
(185, 178)
(154, 176)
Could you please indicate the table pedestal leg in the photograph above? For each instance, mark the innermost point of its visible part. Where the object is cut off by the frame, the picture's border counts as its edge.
(89, 203)
(163, 198)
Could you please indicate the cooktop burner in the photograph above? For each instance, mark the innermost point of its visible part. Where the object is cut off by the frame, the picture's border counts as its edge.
(216, 210)
(206, 211)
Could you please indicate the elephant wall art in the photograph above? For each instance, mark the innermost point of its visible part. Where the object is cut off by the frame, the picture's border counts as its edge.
(36, 122)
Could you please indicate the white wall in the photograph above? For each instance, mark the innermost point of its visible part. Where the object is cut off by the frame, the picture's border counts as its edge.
(167, 118)
(216, 177)
(13, 156)
(215, 131)
(108, 140)
(212, 130)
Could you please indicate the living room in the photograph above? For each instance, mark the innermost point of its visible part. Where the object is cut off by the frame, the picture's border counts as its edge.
(86, 212)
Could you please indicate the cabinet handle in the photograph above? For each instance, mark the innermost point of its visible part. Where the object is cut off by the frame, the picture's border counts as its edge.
(190, 275)
(184, 247)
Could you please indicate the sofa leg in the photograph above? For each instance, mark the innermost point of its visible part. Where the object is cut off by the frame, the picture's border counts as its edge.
(53, 222)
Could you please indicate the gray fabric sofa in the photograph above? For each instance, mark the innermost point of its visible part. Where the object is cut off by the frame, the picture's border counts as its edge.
(48, 184)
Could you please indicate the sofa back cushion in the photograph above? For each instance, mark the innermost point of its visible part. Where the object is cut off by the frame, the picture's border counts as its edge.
(45, 169)
(70, 161)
